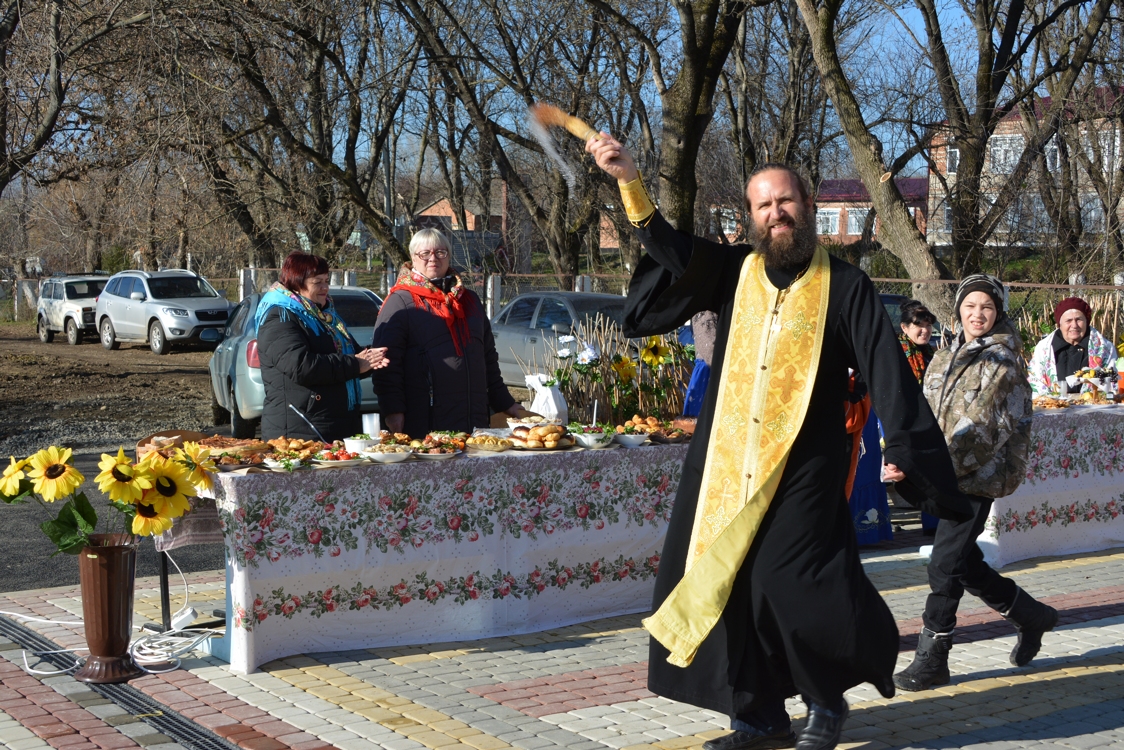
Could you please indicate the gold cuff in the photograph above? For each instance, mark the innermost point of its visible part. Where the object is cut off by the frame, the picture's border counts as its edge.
(637, 205)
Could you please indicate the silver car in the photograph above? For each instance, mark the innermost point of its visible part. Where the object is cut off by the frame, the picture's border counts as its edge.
(527, 329)
(66, 304)
(236, 370)
(161, 308)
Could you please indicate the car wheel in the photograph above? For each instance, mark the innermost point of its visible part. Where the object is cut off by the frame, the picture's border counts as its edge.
(241, 429)
(73, 335)
(157, 339)
(46, 335)
(108, 335)
(219, 415)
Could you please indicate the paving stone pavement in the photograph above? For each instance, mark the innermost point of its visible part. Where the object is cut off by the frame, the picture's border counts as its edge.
(583, 687)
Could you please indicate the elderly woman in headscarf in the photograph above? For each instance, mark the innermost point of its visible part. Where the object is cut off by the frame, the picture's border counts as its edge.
(444, 371)
(1074, 345)
(310, 364)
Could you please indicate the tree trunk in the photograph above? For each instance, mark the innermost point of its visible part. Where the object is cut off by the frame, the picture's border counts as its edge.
(899, 232)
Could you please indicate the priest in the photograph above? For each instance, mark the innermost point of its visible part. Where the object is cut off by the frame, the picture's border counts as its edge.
(760, 594)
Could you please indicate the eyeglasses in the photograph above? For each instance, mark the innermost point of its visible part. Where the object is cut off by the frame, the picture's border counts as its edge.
(427, 254)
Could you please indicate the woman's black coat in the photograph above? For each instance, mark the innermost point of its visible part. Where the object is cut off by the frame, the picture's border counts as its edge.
(426, 380)
(302, 368)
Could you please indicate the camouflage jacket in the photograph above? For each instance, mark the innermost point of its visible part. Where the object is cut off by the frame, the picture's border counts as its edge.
(980, 394)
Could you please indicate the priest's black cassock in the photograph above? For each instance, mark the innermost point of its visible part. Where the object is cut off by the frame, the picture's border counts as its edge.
(802, 616)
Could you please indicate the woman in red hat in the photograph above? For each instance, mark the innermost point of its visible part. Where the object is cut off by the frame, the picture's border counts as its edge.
(1075, 345)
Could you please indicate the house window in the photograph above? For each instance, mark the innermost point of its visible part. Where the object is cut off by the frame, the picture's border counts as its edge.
(953, 162)
(1050, 151)
(1092, 213)
(827, 220)
(946, 214)
(1005, 151)
(1108, 146)
(856, 219)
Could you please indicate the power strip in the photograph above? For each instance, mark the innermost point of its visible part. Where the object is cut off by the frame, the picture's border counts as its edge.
(184, 618)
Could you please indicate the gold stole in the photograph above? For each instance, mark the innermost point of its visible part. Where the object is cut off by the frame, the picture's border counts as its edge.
(772, 355)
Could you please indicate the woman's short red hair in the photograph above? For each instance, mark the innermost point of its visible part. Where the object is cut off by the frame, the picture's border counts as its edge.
(298, 268)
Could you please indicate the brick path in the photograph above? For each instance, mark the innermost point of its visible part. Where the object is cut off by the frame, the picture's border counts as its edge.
(583, 687)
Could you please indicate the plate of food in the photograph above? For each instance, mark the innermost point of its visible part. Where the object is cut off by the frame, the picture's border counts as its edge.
(668, 434)
(389, 454)
(235, 461)
(1052, 402)
(224, 445)
(338, 457)
(285, 460)
(541, 437)
(592, 436)
(633, 440)
(439, 445)
(488, 443)
(534, 421)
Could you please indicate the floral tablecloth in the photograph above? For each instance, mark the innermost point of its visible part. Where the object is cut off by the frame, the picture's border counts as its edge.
(1073, 495)
(424, 552)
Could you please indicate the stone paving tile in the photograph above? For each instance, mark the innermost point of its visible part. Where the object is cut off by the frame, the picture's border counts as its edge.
(583, 687)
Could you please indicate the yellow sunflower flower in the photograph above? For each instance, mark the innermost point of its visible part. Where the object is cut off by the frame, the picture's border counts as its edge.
(171, 486)
(198, 461)
(654, 353)
(10, 483)
(624, 368)
(120, 479)
(52, 474)
(149, 521)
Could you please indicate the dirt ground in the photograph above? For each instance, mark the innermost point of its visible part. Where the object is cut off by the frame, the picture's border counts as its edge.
(92, 399)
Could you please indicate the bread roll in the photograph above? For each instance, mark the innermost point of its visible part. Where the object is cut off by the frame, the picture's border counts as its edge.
(521, 431)
(532, 443)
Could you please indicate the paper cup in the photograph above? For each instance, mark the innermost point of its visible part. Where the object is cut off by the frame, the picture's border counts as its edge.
(371, 424)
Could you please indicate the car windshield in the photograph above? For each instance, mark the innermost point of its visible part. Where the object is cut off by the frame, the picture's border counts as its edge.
(84, 289)
(357, 310)
(180, 287)
(614, 310)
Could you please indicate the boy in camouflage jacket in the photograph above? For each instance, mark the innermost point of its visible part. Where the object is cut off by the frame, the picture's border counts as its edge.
(978, 389)
(982, 399)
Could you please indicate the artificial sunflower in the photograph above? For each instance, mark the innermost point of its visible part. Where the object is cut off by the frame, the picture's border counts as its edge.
(171, 486)
(624, 368)
(10, 483)
(120, 479)
(52, 474)
(654, 352)
(198, 461)
(149, 521)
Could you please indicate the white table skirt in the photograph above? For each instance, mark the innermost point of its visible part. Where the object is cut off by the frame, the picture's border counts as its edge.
(1073, 497)
(432, 551)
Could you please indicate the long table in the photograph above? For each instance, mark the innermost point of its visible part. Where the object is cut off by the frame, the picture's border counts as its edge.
(428, 551)
(1072, 499)
(433, 551)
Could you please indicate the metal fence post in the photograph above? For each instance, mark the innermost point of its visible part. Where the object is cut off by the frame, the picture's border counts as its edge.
(583, 283)
(245, 283)
(493, 291)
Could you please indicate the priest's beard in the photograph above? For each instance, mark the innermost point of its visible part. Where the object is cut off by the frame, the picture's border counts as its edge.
(790, 252)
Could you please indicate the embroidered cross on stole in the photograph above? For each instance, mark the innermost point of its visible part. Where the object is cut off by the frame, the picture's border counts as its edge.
(772, 355)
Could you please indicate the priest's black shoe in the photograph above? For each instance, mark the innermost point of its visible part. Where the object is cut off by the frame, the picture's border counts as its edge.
(755, 740)
(1032, 618)
(823, 728)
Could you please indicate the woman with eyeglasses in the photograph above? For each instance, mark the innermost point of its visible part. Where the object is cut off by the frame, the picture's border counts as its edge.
(444, 372)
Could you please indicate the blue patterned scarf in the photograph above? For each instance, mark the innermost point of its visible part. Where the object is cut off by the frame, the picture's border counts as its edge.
(315, 320)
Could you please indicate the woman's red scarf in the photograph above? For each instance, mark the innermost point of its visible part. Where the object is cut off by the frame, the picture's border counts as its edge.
(452, 306)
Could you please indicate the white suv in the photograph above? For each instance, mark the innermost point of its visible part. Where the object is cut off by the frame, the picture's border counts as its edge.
(66, 305)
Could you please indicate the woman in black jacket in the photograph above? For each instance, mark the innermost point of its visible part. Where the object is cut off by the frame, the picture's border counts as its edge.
(444, 372)
(310, 364)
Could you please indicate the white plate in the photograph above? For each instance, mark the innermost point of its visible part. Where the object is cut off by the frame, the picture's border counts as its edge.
(349, 462)
(438, 456)
(388, 458)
